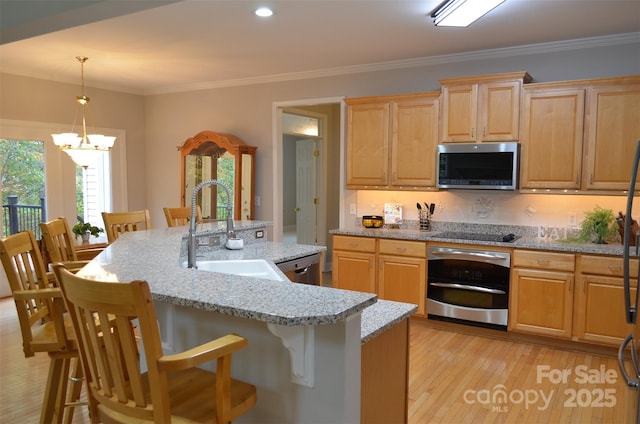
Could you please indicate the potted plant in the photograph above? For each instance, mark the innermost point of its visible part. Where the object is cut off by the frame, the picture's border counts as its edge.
(598, 225)
(85, 230)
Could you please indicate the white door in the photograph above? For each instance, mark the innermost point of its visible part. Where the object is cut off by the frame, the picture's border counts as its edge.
(306, 192)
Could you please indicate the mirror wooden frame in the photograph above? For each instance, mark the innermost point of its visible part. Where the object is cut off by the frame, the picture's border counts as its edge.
(209, 143)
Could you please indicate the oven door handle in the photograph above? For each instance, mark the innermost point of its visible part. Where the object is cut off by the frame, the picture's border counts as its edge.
(467, 287)
(471, 255)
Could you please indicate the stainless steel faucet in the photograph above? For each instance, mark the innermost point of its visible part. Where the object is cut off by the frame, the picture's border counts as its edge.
(191, 242)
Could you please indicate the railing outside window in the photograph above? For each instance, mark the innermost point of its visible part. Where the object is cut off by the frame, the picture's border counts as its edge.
(18, 217)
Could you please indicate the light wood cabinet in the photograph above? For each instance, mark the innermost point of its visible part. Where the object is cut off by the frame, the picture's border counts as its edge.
(400, 275)
(367, 143)
(354, 260)
(613, 129)
(402, 272)
(391, 141)
(541, 294)
(600, 310)
(551, 141)
(579, 135)
(485, 108)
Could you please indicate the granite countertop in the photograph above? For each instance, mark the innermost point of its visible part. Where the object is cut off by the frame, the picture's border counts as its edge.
(525, 242)
(155, 256)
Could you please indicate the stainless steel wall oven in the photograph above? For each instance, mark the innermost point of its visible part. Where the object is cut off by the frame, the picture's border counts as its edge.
(468, 286)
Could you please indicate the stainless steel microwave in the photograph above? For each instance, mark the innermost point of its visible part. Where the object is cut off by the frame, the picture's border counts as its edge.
(488, 166)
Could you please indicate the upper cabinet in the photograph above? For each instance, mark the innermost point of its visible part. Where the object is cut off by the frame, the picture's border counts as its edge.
(224, 157)
(579, 135)
(613, 129)
(482, 108)
(551, 140)
(392, 141)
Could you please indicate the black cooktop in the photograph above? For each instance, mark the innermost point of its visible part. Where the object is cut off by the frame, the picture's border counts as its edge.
(456, 235)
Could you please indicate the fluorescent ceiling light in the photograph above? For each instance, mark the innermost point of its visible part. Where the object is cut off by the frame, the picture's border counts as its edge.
(264, 12)
(461, 13)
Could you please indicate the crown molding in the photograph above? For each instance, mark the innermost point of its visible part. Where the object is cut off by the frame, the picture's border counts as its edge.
(522, 50)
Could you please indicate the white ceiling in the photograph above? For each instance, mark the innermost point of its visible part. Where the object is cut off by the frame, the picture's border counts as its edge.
(159, 46)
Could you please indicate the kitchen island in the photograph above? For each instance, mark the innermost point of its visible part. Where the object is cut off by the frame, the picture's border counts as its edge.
(305, 342)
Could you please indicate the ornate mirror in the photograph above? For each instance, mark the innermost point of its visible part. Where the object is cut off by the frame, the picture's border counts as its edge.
(215, 156)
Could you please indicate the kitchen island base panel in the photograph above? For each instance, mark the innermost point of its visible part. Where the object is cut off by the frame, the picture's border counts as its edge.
(266, 363)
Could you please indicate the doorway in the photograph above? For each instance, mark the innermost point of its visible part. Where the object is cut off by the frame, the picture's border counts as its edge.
(307, 172)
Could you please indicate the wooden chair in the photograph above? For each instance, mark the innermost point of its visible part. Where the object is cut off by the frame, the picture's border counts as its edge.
(58, 240)
(43, 324)
(177, 217)
(173, 389)
(117, 223)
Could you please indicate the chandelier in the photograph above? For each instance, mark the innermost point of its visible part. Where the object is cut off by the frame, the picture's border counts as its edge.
(82, 147)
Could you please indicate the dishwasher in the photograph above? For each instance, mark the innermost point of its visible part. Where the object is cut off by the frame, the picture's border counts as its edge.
(305, 269)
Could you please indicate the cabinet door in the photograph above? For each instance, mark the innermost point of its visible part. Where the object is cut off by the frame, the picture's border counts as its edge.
(403, 279)
(612, 134)
(354, 271)
(414, 141)
(540, 302)
(499, 111)
(367, 144)
(459, 112)
(551, 142)
(601, 311)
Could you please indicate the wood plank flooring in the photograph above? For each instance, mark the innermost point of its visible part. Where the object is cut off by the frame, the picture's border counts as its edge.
(453, 379)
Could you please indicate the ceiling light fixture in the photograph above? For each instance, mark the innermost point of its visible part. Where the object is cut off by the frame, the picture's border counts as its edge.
(461, 13)
(264, 12)
(82, 148)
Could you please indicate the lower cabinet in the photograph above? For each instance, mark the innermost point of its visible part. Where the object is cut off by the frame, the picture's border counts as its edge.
(549, 298)
(400, 274)
(354, 260)
(402, 267)
(541, 294)
(600, 309)
(541, 302)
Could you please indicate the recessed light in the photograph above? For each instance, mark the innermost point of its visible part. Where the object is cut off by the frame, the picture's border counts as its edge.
(264, 12)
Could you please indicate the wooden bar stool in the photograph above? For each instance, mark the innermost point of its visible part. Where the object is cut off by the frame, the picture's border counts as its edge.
(43, 323)
(178, 217)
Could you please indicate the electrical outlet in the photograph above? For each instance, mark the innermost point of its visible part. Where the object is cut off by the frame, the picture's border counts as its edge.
(259, 234)
(352, 209)
(257, 202)
(573, 219)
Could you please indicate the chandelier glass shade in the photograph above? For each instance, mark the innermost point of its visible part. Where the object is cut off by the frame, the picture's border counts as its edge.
(82, 147)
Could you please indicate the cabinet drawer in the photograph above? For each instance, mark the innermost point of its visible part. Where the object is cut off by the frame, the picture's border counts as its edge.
(403, 248)
(544, 260)
(606, 265)
(358, 244)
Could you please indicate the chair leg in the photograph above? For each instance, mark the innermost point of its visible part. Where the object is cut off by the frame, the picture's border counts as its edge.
(74, 393)
(56, 383)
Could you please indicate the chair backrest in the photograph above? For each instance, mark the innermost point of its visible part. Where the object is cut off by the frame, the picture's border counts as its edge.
(117, 223)
(102, 314)
(58, 238)
(177, 217)
(38, 302)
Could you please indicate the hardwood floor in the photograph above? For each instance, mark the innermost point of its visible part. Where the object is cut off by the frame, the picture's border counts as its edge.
(453, 378)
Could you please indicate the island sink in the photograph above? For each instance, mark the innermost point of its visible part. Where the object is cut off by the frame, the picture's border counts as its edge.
(258, 268)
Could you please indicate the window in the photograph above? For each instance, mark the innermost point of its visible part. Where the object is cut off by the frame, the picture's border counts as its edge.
(23, 185)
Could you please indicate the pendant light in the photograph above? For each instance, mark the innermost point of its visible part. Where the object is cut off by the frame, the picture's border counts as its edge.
(82, 148)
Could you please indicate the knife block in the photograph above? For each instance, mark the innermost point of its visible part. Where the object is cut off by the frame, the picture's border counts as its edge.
(634, 233)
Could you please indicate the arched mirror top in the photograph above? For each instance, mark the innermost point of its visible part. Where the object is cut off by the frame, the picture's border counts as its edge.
(225, 157)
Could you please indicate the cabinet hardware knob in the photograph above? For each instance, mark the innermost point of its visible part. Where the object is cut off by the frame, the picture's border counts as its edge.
(543, 261)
